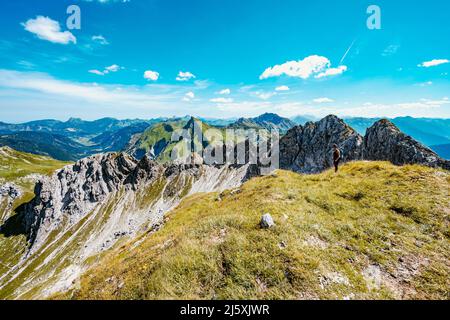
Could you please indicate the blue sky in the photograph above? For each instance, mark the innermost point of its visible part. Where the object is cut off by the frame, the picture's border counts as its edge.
(223, 58)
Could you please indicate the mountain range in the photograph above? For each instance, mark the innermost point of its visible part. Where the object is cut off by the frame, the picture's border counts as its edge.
(111, 226)
(76, 138)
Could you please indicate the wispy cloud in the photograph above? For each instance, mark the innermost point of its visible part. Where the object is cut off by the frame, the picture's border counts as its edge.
(433, 63)
(97, 72)
(224, 91)
(332, 72)
(188, 97)
(282, 88)
(100, 39)
(323, 100)
(47, 29)
(106, 70)
(185, 76)
(94, 93)
(221, 100)
(265, 95)
(390, 50)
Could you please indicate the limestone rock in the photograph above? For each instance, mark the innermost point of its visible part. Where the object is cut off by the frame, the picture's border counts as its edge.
(9, 190)
(65, 198)
(308, 148)
(266, 221)
(384, 141)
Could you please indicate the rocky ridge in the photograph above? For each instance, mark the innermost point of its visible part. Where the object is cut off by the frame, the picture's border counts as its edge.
(308, 148)
(384, 141)
(71, 193)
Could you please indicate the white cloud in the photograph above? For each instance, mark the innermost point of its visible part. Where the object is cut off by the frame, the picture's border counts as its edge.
(426, 84)
(439, 103)
(222, 100)
(113, 68)
(189, 96)
(106, 70)
(323, 100)
(224, 91)
(265, 95)
(433, 63)
(100, 39)
(185, 76)
(332, 72)
(97, 72)
(282, 88)
(310, 66)
(47, 29)
(94, 93)
(151, 75)
(390, 50)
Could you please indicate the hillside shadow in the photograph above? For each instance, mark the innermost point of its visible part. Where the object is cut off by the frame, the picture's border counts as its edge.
(14, 226)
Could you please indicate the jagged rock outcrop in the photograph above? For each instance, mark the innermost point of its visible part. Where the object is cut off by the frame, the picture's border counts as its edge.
(308, 148)
(384, 141)
(74, 190)
(9, 192)
(65, 198)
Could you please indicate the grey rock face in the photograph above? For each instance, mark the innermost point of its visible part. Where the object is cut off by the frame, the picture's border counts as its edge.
(266, 221)
(145, 170)
(384, 141)
(10, 191)
(308, 148)
(72, 192)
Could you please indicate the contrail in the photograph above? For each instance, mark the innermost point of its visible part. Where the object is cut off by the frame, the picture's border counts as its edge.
(346, 52)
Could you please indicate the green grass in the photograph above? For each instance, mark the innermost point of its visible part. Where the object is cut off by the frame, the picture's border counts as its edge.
(161, 133)
(331, 230)
(15, 165)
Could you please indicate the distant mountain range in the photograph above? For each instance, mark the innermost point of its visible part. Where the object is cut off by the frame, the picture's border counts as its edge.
(443, 150)
(72, 139)
(267, 121)
(76, 138)
(428, 131)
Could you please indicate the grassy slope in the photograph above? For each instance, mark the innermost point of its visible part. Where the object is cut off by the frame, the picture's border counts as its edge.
(159, 132)
(371, 231)
(15, 166)
(162, 133)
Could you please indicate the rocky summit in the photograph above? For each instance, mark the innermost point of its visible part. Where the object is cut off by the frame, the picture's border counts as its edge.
(308, 148)
(384, 141)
